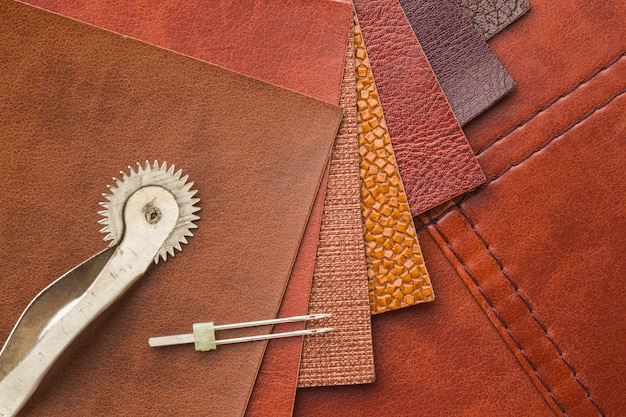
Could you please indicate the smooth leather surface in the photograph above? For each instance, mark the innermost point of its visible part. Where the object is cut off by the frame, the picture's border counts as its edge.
(435, 160)
(539, 248)
(249, 37)
(79, 104)
(491, 16)
(470, 75)
(307, 38)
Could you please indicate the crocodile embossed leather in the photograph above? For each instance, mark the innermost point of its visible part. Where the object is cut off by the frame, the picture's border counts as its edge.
(396, 272)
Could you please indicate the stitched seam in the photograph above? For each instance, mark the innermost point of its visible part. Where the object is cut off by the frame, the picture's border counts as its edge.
(551, 103)
(531, 311)
(496, 313)
(459, 200)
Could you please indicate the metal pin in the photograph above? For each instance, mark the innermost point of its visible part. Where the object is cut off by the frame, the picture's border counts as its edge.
(203, 336)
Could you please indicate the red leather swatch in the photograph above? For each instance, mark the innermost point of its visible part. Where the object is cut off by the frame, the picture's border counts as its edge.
(435, 160)
(491, 16)
(79, 104)
(470, 75)
(539, 248)
(249, 37)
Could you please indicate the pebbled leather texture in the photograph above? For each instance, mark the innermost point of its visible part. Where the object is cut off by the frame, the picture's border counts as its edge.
(491, 16)
(78, 104)
(539, 248)
(396, 272)
(343, 356)
(435, 160)
(470, 75)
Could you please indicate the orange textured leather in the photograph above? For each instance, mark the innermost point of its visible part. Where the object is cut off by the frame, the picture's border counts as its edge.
(343, 356)
(79, 104)
(538, 248)
(396, 273)
(246, 36)
(435, 160)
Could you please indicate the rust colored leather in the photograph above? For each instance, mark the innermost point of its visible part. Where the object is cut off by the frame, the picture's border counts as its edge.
(539, 247)
(470, 75)
(340, 285)
(296, 44)
(435, 160)
(78, 104)
(491, 16)
(396, 272)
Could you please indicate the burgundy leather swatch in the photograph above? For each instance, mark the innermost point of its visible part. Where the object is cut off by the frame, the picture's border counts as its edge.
(340, 282)
(78, 104)
(470, 75)
(435, 160)
(528, 268)
(491, 16)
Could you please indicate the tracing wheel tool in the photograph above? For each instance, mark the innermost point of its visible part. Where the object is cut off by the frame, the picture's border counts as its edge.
(148, 214)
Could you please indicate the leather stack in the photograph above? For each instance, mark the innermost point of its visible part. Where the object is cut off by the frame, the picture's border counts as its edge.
(334, 176)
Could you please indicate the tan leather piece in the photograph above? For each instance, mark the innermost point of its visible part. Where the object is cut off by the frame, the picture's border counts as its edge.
(340, 279)
(78, 104)
(396, 273)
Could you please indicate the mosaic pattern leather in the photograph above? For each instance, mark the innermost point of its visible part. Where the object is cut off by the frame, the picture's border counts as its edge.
(71, 134)
(528, 268)
(344, 356)
(396, 273)
(435, 160)
(470, 75)
(491, 16)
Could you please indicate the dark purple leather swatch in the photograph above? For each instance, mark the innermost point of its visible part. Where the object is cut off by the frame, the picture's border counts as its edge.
(471, 76)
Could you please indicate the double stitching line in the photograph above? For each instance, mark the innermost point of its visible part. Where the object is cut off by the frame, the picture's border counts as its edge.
(499, 317)
(532, 313)
(460, 200)
(551, 103)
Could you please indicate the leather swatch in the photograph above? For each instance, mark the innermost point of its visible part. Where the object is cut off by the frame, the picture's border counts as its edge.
(273, 34)
(528, 268)
(491, 16)
(396, 273)
(435, 160)
(79, 104)
(343, 356)
(470, 75)
(307, 38)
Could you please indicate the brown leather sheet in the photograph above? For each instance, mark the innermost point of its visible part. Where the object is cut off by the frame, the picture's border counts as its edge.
(529, 268)
(470, 75)
(79, 104)
(491, 16)
(436, 162)
(273, 34)
(396, 271)
(343, 356)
